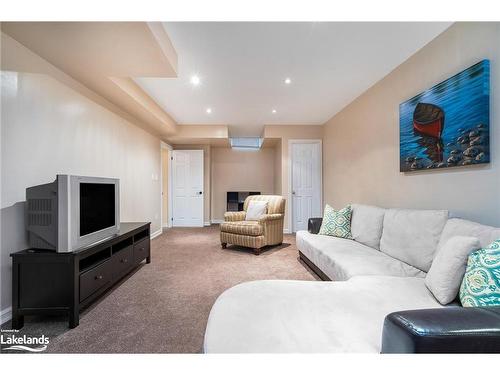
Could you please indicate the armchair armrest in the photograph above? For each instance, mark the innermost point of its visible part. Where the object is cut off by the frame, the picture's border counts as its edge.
(270, 217)
(443, 330)
(314, 224)
(235, 216)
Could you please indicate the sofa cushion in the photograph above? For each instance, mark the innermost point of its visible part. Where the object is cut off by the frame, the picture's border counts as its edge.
(341, 259)
(481, 283)
(336, 223)
(278, 316)
(460, 227)
(448, 268)
(366, 224)
(412, 236)
(247, 228)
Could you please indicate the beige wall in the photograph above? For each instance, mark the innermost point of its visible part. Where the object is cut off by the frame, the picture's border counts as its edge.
(49, 128)
(206, 176)
(277, 168)
(361, 143)
(235, 170)
(286, 133)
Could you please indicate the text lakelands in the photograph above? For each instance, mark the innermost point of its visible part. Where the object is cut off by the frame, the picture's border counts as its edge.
(24, 340)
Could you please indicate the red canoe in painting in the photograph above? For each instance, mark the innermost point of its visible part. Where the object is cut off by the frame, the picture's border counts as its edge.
(428, 119)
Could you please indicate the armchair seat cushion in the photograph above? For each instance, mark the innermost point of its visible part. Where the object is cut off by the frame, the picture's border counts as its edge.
(246, 228)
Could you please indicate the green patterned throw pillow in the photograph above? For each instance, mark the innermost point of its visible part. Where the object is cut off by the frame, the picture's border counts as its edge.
(336, 223)
(481, 283)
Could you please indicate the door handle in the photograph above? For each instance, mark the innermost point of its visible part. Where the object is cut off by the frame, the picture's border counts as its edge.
(293, 193)
(200, 192)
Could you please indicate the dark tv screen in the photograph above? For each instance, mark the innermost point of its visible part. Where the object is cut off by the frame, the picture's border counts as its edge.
(97, 207)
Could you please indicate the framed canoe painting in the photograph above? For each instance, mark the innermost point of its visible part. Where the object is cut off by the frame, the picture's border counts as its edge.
(448, 125)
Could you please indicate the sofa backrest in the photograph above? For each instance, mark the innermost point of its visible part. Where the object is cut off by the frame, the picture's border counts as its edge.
(459, 227)
(275, 203)
(412, 236)
(366, 224)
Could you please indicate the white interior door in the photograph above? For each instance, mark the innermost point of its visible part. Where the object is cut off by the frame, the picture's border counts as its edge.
(187, 188)
(306, 182)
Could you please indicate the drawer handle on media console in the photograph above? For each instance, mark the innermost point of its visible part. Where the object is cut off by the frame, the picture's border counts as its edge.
(124, 260)
(98, 277)
(141, 249)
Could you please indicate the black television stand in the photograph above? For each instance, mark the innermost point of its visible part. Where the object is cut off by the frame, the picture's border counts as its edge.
(45, 282)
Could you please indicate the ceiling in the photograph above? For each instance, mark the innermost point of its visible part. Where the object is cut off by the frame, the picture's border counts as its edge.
(102, 56)
(242, 68)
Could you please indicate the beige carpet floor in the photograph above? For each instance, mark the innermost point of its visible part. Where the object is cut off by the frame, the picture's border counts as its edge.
(163, 307)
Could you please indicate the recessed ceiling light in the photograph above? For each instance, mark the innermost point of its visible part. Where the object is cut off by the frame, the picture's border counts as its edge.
(209, 110)
(288, 81)
(195, 80)
(273, 111)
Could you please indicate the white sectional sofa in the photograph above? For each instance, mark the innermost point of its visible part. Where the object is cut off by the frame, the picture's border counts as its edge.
(380, 271)
(392, 242)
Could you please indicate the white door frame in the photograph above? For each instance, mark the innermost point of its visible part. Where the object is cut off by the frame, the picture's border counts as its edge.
(290, 179)
(166, 146)
(170, 186)
(170, 176)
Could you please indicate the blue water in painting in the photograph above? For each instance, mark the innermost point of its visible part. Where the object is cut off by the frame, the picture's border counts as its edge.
(464, 99)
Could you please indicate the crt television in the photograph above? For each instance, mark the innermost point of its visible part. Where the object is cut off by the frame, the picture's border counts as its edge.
(72, 212)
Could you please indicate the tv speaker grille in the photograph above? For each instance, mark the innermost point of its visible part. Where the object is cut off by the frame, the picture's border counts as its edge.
(40, 204)
(40, 219)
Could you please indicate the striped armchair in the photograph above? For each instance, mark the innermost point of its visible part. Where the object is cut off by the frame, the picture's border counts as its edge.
(268, 230)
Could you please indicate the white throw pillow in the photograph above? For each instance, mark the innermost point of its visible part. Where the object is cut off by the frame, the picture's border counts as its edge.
(448, 267)
(255, 210)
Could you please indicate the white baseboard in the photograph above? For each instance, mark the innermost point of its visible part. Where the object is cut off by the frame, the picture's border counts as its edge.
(156, 234)
(206, 223)
(287, 231)
(6, 315)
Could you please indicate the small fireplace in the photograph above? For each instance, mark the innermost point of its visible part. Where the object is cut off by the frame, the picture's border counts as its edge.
(235, 199)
